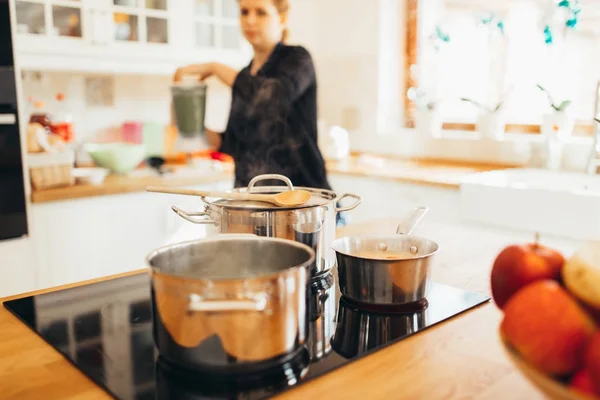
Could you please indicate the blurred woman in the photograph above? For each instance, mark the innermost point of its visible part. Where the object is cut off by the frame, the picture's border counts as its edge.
(272, 126)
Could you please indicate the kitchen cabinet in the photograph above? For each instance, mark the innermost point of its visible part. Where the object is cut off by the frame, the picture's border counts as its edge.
(88, 238)
(127, 36)
(388, 198)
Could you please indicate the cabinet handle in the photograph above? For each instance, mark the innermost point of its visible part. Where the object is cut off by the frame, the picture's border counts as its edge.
(8, 119)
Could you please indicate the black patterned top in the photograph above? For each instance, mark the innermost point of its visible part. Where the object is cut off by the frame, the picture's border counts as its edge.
(272, 126)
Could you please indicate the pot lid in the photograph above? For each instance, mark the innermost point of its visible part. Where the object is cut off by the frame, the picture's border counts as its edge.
(318, 197)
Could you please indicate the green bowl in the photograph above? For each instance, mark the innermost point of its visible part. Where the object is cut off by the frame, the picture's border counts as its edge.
(120, 158)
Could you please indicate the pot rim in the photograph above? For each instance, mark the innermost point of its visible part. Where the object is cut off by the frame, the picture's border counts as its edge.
(385, 237)
(227, 236)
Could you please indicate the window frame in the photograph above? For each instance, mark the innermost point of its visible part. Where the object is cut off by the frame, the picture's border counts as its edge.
(411, 55)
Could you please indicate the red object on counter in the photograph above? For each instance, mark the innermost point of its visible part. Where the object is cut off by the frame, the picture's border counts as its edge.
(215, 155)
(62, 123)
(41, 116)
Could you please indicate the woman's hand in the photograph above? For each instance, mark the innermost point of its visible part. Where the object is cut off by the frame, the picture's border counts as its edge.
(203, 71)
(225, 74)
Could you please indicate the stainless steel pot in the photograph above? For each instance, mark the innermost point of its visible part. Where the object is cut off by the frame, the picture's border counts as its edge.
(313, 224)
(229, 300)
(377, 279)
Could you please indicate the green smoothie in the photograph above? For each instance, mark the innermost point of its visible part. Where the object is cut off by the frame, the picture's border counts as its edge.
(189, 107)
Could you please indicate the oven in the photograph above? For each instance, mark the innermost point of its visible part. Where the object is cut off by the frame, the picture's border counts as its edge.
(13, 208)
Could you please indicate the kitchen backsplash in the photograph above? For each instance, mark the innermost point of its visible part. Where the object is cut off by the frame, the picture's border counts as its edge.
(97, 108)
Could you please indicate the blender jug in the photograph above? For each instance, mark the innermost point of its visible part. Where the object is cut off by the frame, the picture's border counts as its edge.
(189, 110)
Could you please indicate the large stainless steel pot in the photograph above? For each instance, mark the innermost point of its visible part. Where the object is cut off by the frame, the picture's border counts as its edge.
(378, 279)
(230, 300)
(313, 224)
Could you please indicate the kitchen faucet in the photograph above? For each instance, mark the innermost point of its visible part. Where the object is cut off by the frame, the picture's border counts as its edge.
(594, 160)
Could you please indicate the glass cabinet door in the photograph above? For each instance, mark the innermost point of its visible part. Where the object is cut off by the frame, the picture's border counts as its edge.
(141, 21)
(217, 24)
(60, 18)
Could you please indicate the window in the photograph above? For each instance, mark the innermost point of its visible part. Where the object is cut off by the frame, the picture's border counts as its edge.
(494, 50)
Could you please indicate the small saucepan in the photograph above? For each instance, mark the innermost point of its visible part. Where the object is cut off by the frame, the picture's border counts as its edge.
(386, 270)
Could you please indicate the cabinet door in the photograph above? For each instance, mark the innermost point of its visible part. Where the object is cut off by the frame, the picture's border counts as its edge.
(140, 28)
(216, 31)
(51, 26)
(386, 198)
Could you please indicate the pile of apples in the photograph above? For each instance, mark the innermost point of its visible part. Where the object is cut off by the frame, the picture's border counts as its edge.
(551, 310)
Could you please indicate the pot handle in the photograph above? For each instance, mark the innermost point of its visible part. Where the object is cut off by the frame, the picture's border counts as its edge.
(352, 206)
(264, 177)
(196, 304)
(411, 222)
(190, 216)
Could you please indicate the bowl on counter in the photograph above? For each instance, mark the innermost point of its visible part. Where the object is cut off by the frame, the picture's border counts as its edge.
(552, 388)
(90, 176)
(119, 158)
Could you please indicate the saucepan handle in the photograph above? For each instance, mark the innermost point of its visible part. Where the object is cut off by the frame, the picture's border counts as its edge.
(351, 206)
(411, 222)
(197, 304)
(189, 216)
(265, 177)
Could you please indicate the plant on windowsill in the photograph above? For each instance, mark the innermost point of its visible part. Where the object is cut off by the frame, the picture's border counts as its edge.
(558, 117)
(428, 118)
(491, 121)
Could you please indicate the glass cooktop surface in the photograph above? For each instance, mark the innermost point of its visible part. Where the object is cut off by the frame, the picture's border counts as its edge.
(106, 331)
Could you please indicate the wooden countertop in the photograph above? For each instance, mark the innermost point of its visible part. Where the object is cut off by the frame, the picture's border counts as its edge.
(428, 172)
(439, 173)
(138, 181)
(457, 359)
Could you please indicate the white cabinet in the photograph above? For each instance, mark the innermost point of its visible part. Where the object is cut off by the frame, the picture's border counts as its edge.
(127, 36)
(385, 198)
(88, 238)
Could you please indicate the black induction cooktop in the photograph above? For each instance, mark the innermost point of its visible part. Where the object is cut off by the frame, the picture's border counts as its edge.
(105, 329)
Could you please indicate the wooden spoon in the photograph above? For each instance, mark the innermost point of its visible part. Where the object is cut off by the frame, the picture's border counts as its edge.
(289, 198)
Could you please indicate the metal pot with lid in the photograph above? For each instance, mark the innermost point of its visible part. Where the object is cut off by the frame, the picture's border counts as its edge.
(313, 223)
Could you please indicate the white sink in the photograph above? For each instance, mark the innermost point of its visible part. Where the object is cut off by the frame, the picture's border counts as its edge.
(553, 202)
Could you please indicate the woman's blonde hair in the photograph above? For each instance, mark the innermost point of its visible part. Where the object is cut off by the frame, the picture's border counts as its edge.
(283, 6)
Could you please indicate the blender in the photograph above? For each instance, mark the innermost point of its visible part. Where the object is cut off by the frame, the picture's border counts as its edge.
(189, 110)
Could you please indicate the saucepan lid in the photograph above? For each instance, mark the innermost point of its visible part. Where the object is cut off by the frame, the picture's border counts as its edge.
(319, 197)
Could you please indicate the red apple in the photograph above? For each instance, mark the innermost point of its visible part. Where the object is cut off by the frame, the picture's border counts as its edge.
(592, 361)
(521, 264)
(582, 383)
(548, 328)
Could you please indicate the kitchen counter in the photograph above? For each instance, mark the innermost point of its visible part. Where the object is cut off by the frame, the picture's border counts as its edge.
(459, 358)
(137, 181)
(440, 173)
(428, 172)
